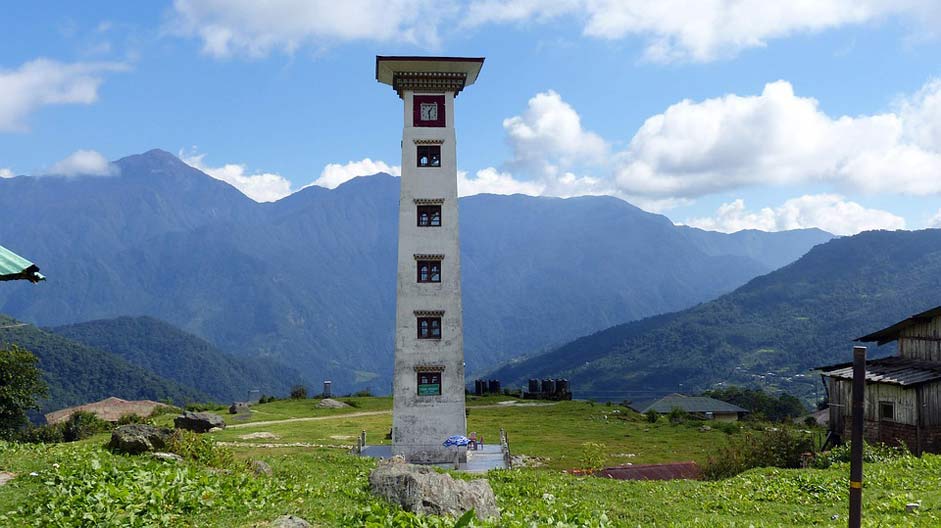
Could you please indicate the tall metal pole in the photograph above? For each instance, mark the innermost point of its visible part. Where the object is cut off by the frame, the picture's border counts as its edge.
(856, 438)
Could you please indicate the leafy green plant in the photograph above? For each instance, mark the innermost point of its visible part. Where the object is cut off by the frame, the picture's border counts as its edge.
(677, 416)
(872, 453)
(83, 424)
(652, 416)
(42, 434)
(21, 386)
(131, 419)
(593, 455)
(200, 448)
(781, 447)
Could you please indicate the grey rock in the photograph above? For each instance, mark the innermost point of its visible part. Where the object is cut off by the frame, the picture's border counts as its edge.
(260, 468)
(6, 476)
(330, 403)
(239, 407)
(198, 422)
(421, 489)
(138, 438)
(289, 521)
(168, 457)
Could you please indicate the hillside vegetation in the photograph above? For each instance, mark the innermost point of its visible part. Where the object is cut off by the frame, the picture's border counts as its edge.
(769, 332)
(182, 357)
(309, 281)
(78, 374)
(83, 484)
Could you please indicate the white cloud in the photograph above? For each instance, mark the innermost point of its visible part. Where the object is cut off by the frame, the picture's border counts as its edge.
(335, 174)
(492, 181)
(778, 138)
(259, 186)
(830, 212)
(43, 82)
(255, 29)
(935, 221)
(82, 163)
(701, 30)
(6, 173)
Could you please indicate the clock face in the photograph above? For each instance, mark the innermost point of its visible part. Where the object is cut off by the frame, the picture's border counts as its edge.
(429, 112)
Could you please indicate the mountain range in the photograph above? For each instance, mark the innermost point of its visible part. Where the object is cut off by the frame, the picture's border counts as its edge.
(769, 332)
(309, 281)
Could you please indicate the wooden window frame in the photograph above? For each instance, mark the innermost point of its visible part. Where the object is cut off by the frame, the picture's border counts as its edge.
(430, 277)
(430, 378)
(883, 405)
(430, 152)
(429, 210)
(431, 324)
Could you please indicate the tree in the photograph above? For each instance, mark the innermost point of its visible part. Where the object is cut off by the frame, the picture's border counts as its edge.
(21, 385)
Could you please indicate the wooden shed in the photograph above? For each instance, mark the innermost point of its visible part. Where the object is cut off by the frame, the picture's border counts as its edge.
(903, 392)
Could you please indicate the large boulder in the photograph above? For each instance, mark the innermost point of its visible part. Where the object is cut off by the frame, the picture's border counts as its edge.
(289, 521)
(139, 438)
(239, 408)
(330, 403)
(198, 422)
(421, 489)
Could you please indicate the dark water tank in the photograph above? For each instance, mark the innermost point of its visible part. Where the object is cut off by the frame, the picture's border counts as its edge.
(562, 386)
(546, 386)
(533, 385)
(494, 387)
(478, 387)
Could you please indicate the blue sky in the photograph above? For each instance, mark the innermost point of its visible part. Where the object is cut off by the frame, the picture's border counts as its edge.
(724, 115)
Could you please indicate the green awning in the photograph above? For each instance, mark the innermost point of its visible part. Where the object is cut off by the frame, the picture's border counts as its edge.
(15, 267)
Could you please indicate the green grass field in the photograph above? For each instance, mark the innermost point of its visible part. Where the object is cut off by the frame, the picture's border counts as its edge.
(82, 484)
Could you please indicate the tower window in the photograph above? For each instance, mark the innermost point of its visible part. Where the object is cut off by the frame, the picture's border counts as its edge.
(429, 328)
(429, 215)
(429, 271)
(429, 155)
(429, 383)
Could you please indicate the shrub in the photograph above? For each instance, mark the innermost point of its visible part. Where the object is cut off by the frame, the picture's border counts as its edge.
(593, 455)
(200, 448)
(652, 416)
(677, 416)
(200, 407)
(83, 424)
(43, 434)
(131, 419)
(298, 392)
(782, 447)
(365, 393)
(21, 386)
(872, 453)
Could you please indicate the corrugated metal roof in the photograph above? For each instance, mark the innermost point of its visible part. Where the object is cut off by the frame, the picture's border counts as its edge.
(693, 404)
(891, 333)
(893, 370)
(13, 267)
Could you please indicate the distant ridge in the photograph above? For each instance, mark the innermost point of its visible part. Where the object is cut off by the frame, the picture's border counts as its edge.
(769, 332)
(309, 281)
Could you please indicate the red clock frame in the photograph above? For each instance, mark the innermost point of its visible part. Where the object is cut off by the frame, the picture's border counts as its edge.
(417, 101)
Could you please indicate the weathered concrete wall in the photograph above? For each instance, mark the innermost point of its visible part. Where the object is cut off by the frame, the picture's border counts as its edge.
(420, 423)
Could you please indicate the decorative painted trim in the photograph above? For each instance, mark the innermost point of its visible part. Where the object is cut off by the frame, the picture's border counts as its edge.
(428, 141)
(429, 201)
(429, 313)
(426, 256)
(429, 81)
(428, 368)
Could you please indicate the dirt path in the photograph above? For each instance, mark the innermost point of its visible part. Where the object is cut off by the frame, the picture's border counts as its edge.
(373, 413)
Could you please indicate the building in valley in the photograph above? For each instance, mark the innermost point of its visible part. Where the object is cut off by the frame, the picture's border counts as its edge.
(903, 392)
(428, 378)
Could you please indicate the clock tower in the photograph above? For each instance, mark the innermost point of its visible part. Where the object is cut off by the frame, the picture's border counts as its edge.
(428, 379)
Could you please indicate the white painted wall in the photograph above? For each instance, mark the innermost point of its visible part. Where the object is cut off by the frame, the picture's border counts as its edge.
(420, 424)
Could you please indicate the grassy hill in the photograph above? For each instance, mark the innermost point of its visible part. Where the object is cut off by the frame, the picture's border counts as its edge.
(79, 374)
(176, 355)
(768, 332)
(83, 483)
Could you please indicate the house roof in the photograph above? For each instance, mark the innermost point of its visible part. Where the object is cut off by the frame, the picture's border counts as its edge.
(109, 409)
(693, 404)
(892, 333)
(892, 370)
(15, 267)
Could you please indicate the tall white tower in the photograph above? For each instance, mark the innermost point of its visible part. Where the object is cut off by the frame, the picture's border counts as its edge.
(428, 382)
